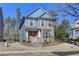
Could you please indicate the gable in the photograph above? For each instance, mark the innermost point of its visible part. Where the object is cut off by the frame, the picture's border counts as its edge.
(36, 13)
(39, 12)
(46, 15)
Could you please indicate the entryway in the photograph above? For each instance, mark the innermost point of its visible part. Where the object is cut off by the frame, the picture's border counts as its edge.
(33, 36)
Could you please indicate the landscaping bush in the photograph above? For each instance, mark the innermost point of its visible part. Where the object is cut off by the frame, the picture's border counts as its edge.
(28, 41)
(45, 41)
(24, 41)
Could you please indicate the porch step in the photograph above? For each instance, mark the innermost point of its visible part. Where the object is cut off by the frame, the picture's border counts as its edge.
(37, 45)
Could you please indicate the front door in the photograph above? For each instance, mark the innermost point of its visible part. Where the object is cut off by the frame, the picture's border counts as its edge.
(33, 36)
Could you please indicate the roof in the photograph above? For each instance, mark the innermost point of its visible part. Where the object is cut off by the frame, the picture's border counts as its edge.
(77, 21)
(37, 13)
(76, 25)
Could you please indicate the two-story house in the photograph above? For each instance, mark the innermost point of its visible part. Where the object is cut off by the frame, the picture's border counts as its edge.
(37, 26)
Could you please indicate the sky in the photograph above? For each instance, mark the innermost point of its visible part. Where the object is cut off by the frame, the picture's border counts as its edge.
(9, 9)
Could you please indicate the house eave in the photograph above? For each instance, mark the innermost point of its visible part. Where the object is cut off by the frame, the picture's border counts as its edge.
(38, 18)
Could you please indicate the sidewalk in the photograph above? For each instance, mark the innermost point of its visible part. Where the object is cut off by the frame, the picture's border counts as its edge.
(15, 48)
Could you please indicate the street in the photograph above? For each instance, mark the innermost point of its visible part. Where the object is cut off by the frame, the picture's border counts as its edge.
(27, 53)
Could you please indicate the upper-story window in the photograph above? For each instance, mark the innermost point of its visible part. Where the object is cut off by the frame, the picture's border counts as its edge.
(42, 22)
(31, 22)
(50, 23)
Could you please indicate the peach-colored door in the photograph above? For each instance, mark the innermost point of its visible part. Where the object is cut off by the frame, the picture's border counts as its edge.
(34, 39)
(34, 36)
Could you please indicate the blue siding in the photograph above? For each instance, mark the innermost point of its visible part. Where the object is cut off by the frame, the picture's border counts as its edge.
(27, 23)
(36, 23)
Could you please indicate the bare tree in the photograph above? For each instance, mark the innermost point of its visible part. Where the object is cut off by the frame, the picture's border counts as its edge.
(18, 16)
(69, 9)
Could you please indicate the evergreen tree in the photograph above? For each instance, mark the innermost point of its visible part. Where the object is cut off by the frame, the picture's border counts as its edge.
(61, 32)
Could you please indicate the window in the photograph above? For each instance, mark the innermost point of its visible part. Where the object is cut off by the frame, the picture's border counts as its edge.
(31, 22)
(49, 23)
(49, 35)
(42, 22)
(46, 34)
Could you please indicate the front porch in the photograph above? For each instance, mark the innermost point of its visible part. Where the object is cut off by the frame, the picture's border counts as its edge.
(32, 35)
(38, 36)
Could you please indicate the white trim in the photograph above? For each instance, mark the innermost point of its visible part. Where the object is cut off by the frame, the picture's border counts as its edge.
(26, 33)
(39, 34)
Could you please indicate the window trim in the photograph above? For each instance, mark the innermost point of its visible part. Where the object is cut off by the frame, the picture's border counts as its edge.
(42, 22)
(31, 22)
(50, 23)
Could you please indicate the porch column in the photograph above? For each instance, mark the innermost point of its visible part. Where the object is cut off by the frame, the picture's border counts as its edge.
(39, 34)
(42, 40)
(26, 35)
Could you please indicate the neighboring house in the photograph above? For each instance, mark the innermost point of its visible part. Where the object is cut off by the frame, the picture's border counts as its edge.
(75, 30)
(1, 25)
(37, 26)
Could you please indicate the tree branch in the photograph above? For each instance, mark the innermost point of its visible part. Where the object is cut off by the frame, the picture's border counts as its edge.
(76, 13)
